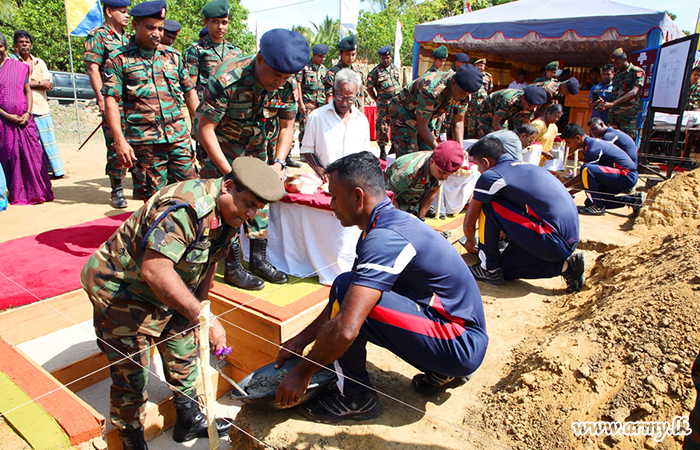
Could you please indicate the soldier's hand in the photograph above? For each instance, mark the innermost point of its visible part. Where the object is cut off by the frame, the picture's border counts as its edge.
(101, 106)
(302, 108)
(217, 337)
(125, 154)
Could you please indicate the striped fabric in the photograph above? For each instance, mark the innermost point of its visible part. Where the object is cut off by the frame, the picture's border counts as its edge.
(44, 126)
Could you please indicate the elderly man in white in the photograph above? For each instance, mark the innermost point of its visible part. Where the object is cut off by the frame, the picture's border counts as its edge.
(338, 128)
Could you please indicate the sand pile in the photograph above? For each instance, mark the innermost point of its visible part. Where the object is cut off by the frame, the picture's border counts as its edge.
(620, 351)
(673, 203)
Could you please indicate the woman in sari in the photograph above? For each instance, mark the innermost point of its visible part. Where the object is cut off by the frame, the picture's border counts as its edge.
(21, 154)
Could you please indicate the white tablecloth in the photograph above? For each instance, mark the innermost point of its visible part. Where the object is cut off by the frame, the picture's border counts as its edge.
(304, 241)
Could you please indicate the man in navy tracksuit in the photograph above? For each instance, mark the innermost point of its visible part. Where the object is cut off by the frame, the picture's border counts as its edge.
(599, 130)
(533, 209)
(607, 171)
(409, 292)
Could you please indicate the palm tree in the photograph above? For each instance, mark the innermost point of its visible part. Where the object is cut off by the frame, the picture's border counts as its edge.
(6, 8)
(326, 32)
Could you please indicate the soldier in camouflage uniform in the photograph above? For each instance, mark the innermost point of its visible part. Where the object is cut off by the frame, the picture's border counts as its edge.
(248, 102)
(556, 93)
(550, 72)
(440, 55)
(416, 177)
(460, 60)
(626, 101)
(170, 31)
(429, 96)
(505, 104)
(149, 80)
(210, 50)
(347, 47)
(312, 92)
(470, 123)
(146, 284)
(100, 45)
(382, 86)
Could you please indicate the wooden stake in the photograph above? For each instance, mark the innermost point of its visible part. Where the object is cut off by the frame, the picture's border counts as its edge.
(206, 372)
(439, 203)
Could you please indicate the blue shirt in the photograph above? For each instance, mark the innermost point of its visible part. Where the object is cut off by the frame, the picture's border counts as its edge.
(534, 190)
(399, 253)
(604, 92)
(622, 140)
(604, 153)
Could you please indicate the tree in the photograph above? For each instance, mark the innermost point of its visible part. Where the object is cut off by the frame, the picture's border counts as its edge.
(325, 33)
(6, 9)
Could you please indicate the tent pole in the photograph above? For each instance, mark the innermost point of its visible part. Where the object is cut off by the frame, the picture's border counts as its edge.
(75, 94)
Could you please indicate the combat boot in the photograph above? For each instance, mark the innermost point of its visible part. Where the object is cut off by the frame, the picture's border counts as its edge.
(191, 423)
(133, 440)
(260, 266)
(382, 153)
(235, 274)
(117, 199)
(290, 161)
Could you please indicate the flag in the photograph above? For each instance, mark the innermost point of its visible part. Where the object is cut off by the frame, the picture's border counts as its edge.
(467, 7)
(82, 16)
(349, 11)
(398, 42)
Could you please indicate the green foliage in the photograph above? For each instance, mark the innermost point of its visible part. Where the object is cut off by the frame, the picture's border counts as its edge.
(325, 33)
(671, 15)
(46, 21)
(6, 9)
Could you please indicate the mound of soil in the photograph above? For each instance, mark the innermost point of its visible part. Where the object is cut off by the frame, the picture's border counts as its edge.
(671, 204)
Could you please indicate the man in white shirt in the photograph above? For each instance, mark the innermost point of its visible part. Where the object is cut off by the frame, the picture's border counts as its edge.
(337, 129)
(520, 82)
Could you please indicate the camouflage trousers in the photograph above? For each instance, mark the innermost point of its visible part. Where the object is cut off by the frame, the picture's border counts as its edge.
(127, 394)
(383, 123)
(158, 165)
(484, 126)
(303, 118)
(405, 138)
(114, 168)
(436, 125)
(624, 122)
(256, 228)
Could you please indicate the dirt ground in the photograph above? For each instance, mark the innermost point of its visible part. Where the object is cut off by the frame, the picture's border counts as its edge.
(619, 350)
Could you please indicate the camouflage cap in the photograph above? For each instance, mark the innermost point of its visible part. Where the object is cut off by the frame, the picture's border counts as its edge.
(554, 65)
(617, 54)
(257, 177)
(216, 8)
(440, 52)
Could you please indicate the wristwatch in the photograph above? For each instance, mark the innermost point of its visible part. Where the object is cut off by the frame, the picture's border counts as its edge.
(281, 162)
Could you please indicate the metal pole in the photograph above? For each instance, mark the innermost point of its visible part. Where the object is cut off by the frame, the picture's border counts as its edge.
(72, 71)
(439, 201)
(206, 371)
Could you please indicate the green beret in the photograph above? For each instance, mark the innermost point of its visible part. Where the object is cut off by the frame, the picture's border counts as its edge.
(257, 177)
(440, 52)
(348, 44)
(554, 65)
(216, 8)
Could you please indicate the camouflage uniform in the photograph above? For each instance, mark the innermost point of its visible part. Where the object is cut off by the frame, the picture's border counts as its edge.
(247, 118)
(693, 98)
(624, 117)
(330, 80)
(551, 88)
(436, 124)
(506, 103)
(151, 92)
(409, 179)
(470, 123)
(101, 45)
(183, 223)
(203, 56)
(385, 81)
(313, 93)
(426, 97)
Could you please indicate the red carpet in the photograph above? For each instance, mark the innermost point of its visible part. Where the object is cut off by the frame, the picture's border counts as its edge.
(49, 264)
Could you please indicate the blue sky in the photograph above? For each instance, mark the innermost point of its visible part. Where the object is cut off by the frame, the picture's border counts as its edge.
(303, 12)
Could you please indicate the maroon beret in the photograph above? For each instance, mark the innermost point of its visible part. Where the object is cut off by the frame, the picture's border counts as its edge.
(449, 156)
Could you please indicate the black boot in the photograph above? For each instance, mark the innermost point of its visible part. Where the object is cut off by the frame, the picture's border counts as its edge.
(191, 423)
(235, 274)
(117, 199)
(133, 440)
(290, 161)
(382, 153)
(260, 266)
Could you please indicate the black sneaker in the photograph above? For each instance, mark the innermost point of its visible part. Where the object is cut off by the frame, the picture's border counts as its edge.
(431, 383)
(333, 407)
(431, 213)
(575, 273)
(494, 277)
(639, 198)
(592, 210)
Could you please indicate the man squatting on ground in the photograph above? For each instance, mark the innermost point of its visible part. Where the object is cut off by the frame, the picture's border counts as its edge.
(533, 209)
(396, 297)
(147, 281)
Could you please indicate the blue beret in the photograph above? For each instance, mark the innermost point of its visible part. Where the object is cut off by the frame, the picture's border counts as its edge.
(348, 43)
(284, 50)
(572, 86)
(172, 26)
(469, 78)
(203, 32)
(319, 49)
(216, 8)
(116, 3)
(440, 52)
(535, 95)
(384, 50)
(462, 57)
(155, 9)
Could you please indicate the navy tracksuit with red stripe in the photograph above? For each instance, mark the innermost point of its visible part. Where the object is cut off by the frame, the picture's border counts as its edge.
(534, 210)
(606, 172)
(430, 313)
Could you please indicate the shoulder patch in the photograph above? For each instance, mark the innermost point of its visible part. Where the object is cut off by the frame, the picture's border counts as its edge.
(204, 206)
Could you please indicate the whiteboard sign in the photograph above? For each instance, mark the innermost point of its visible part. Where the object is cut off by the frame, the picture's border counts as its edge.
(670, 75)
